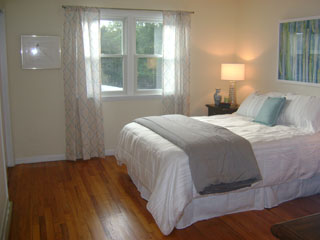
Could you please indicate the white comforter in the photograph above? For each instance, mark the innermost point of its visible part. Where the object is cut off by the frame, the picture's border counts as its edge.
(161, 170)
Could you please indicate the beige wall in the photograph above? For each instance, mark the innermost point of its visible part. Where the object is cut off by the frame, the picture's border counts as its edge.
(36, 96)
(222, 30)
(257, 42)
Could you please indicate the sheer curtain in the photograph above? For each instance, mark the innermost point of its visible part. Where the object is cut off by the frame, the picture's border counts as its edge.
(82, 83)
(176, 62)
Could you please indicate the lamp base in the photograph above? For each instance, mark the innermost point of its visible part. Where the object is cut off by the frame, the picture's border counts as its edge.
(232, 94)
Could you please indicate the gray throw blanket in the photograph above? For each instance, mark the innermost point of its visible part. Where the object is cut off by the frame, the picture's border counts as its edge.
(220, 161)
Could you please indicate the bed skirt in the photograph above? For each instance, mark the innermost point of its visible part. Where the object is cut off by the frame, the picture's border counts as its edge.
(215, 205)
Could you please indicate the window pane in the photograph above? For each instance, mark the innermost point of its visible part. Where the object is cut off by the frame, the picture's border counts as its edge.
(149, 37)
(112, 73)
(111, 36)
(149, 73)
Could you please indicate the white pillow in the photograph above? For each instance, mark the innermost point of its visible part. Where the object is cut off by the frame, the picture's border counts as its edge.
(250, 107)
(302, 112)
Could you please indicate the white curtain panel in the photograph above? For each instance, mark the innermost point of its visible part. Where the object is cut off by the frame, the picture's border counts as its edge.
(82, 84)
(176, 62)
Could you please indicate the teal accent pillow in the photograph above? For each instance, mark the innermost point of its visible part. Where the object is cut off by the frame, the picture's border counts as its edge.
(270, 111)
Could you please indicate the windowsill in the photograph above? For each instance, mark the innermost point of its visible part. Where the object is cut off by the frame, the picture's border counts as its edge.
(132, 97)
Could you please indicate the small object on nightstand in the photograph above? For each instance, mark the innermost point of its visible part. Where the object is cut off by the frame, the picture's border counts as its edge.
(217, 97)
(216, 110)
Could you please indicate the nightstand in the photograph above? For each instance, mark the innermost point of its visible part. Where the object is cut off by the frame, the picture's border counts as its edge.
(216, 110)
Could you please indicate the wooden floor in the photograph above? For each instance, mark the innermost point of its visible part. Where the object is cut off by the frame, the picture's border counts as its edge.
(96, 200)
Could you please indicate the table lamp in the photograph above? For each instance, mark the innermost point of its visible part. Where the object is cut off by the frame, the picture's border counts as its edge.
(232, 72)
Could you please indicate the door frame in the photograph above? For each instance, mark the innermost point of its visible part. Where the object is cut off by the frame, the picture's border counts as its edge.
(9, 153)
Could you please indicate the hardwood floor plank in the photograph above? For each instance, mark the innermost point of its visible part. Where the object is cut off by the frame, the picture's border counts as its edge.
(254, 224)
(43, 228)
(96, 200)
(36, 232)
(57, 231)
(64, 231)
(216, 229)
(237, 224)
(49, 223)
(289, 211)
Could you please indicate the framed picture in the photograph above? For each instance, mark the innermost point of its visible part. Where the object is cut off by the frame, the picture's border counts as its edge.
(299, 51)
(40, 52)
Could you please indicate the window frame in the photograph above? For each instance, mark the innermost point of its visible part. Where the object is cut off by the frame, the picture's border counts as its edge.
(130, 73)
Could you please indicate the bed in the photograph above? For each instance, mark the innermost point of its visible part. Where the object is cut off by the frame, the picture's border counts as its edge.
(288, 156)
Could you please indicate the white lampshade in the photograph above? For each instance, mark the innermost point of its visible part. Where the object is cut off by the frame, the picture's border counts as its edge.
(232, 72)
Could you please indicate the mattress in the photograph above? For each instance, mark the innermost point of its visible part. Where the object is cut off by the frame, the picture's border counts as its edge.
(288, 159)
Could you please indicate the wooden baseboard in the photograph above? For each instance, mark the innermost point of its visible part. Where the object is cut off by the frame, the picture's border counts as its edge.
(109, 152)
(43, 158)
(7, 222)
(51, 158)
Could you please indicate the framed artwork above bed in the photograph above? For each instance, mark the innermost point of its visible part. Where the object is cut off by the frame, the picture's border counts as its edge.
(299, 51)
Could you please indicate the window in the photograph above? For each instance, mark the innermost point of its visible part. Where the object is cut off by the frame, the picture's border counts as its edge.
(149, 55)
(131, 53)
(112, 55)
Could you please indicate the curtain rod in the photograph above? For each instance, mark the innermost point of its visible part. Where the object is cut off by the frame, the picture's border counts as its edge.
(136, 9)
